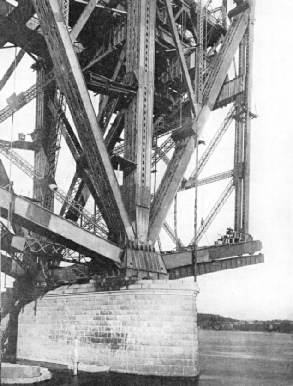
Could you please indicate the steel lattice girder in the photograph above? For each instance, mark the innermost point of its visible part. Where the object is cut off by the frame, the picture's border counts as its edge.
(55, 228)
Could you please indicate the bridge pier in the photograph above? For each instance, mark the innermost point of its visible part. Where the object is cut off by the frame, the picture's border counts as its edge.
(148, 327)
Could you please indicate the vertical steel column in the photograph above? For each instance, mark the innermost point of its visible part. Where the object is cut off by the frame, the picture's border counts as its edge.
(199, 94)
(238, 149)
(140, 59)
(247, 133)
(175, 223)
(243, 132)
(200, 64)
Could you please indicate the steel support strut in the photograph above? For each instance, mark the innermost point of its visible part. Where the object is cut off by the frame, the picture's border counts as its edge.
(72, 84)
(44, 129)
(140, 59)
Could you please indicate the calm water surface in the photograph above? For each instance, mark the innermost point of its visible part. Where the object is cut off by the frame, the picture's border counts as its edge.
(228, 358)
(246, 358)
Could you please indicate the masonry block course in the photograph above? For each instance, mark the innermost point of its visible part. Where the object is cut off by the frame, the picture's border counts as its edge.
(144, 328)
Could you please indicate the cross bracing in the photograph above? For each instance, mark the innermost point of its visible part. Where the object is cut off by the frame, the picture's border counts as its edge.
(159, 69)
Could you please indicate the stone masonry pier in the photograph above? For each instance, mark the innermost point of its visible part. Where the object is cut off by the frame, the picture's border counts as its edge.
(149, 327)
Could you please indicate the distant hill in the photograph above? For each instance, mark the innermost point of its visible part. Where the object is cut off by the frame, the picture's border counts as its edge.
(217, 322)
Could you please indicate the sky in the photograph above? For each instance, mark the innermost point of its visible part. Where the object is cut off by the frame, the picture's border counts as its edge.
(263, 291)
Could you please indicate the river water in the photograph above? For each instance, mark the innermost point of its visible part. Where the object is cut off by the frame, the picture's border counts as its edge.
(237, 358)
(227, 358)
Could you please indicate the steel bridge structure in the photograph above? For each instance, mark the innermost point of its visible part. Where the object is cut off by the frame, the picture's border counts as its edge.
(160, 69)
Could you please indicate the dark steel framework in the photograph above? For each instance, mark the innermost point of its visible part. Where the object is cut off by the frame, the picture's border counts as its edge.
(161, 68)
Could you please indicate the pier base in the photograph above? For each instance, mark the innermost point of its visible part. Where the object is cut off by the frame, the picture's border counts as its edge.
(147, 328)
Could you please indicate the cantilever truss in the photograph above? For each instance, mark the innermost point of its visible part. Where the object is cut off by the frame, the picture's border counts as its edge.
(160, 68)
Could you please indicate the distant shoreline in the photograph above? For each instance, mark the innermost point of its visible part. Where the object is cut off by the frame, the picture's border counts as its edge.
(218, 323)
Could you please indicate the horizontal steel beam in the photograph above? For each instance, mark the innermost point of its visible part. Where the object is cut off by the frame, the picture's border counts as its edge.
(55, 228)
(116, 10)
(190, 183)
(23, 145)
(205, 254)
(102, 85)
(215, 266)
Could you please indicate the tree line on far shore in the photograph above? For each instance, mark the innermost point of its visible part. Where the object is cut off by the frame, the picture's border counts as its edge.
(217, 322)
